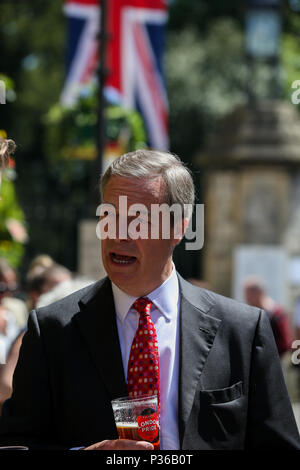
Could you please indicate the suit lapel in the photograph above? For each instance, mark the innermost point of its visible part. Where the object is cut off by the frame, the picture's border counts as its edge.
(97, 322)
(197, 334)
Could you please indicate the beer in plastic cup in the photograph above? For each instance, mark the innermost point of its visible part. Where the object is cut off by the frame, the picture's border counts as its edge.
(137, 419)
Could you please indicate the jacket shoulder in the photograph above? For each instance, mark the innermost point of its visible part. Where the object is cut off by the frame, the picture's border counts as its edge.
(220, 306)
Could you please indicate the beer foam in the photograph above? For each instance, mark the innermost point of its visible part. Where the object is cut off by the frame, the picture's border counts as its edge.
(127, 425)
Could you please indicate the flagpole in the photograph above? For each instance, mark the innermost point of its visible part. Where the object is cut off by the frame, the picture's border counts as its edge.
(102, 73)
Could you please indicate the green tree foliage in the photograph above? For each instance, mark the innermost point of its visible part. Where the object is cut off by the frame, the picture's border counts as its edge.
(201, 14)
(32, 39)
(290, 52)
(208, 74)
(71, 131)
(204, 83)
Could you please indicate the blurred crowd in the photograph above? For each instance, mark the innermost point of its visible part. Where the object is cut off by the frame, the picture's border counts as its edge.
(46, 282)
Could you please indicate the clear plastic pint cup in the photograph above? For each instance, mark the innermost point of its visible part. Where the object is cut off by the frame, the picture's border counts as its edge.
(137, 419)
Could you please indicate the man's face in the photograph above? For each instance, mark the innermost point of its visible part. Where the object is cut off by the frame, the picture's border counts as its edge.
(8, 283)
(136, 266)
(253, 296)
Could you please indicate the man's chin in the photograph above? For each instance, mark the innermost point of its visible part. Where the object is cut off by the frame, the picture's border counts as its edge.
(129, 286)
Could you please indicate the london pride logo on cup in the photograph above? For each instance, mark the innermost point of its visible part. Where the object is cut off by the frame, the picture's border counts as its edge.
(148, 428)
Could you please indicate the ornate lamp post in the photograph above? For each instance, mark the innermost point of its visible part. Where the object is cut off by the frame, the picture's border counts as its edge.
(263, 29)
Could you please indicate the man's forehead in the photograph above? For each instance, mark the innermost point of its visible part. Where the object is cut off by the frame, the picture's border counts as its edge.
(136, 188)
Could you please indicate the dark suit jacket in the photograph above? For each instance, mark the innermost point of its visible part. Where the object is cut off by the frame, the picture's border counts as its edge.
(231, 389)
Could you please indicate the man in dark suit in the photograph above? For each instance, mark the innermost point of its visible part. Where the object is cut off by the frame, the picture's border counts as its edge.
(220, 383)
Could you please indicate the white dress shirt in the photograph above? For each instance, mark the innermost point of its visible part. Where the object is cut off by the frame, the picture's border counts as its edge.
(165, 316)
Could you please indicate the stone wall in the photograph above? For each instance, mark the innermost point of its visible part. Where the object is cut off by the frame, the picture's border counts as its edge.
(249, 205)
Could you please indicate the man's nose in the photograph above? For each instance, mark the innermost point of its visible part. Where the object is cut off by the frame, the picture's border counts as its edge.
(122, 229)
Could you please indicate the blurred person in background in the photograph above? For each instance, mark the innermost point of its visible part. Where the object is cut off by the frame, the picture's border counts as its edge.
(34, 277)
(7, 369)
(13, 312)
(7, 147)
(256, 295)
(42, 278)
(48, 282)
(54, 275)
(9, 327)
(42, 275)
(13, 233)
(43, 261)
(297, 319)
(63, 289)
(34, 285)
(9, 293)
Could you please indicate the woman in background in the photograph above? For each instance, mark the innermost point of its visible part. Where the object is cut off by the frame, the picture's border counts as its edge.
(7, 148)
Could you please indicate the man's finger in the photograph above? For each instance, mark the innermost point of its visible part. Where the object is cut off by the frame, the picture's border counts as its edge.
(121, 444)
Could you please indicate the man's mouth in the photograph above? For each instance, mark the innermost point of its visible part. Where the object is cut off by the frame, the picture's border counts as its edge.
(122, 259)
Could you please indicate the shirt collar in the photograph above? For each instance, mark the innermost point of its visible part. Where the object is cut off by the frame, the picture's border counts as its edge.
(165, 298)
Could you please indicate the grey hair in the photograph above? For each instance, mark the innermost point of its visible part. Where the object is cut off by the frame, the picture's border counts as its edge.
(151, 164)
(7, 147)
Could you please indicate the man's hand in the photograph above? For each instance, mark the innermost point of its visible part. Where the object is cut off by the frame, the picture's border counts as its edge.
(121, 444)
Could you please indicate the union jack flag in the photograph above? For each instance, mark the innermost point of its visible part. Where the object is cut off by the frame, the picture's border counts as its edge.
(82, 47)
(134, 58)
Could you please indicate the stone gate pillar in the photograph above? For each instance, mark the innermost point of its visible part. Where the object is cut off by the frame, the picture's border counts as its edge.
(251, 169)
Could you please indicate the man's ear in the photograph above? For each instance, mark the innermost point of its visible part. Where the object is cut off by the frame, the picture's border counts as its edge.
(179, 230)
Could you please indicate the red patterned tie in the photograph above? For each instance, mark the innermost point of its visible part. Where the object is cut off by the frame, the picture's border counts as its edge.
(143, 364)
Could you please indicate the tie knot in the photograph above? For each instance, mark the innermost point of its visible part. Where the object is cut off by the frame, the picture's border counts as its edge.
(143, 305)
